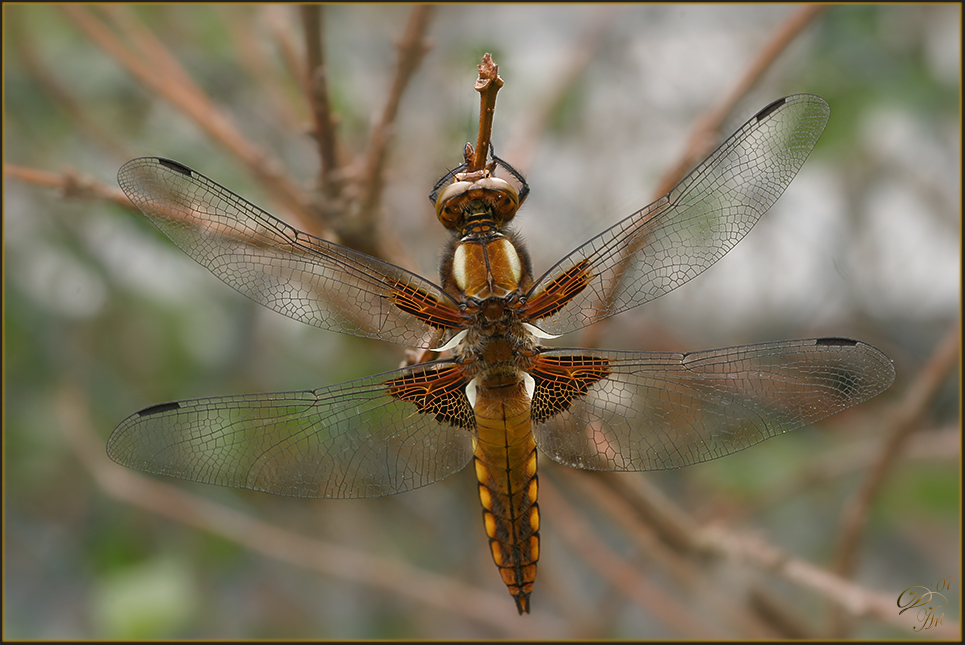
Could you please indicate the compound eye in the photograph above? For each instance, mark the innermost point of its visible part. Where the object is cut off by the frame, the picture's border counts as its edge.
(493, 194)
(450, 205)
(501, 196)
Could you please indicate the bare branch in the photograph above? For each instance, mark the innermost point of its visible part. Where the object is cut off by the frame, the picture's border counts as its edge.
(614, 569)
(650, 508)
(705, 133)
(855, 600)
(316, 89)
(411, 49)
(668, 536)
(160, 72)
(487, 84)
(70, 185)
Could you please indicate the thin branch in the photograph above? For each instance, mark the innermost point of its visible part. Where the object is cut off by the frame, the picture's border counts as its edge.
(785, 622)
(412, 49)
(686, 537)
(668, 536)
(487, 84)
(160, 72)
(316, 89)
(704, 134)
(69, 184)
(614, 569)
(854, 599)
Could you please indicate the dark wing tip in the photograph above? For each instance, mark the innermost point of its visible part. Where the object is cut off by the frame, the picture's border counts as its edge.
(157, 409)
(769, 108)
(846, 342)
(175, 166)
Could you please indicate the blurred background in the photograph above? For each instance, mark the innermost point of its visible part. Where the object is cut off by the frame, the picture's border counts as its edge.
(104, 316)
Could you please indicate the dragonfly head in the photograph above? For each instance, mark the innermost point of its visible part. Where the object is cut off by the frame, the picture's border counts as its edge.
(476, 194)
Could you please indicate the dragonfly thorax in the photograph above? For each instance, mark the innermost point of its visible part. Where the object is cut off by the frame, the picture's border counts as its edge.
(486, 267)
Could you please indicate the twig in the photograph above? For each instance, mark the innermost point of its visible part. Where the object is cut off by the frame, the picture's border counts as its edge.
(411, 49)
(69, 184)
(634, 586)
(850, 597)
(316, 89)
(668, 536)
(705, 132)
(487, 84)
(160, 72)
(785, 622)
(694, 540)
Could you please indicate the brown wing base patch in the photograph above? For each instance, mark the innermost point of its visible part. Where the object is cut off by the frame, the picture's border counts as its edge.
(555, 295)
(561, 379)
(427, 307)
(439, 392)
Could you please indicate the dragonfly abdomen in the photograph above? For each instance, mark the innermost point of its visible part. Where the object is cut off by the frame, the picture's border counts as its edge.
(505, 462)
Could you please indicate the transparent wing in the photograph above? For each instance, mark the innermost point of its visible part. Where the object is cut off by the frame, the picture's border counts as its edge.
(363, 438)
(651, 411)
(680, 235)
(304, 277)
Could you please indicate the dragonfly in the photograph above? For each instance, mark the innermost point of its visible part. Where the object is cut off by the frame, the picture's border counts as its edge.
(496, 390)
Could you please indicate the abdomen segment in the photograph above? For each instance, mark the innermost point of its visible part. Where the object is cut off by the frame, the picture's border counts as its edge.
(505, 462)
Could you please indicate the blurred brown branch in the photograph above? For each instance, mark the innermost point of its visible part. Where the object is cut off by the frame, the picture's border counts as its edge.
(908, 416)
(316, 90)
(634, 580)
(411, 49)
(682, 546)
(706, 132)
(153, 65)
(69, 184)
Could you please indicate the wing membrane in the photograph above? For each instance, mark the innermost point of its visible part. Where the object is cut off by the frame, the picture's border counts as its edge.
(653, 411)
(304, 277)
(680, 235)
(357, 439)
